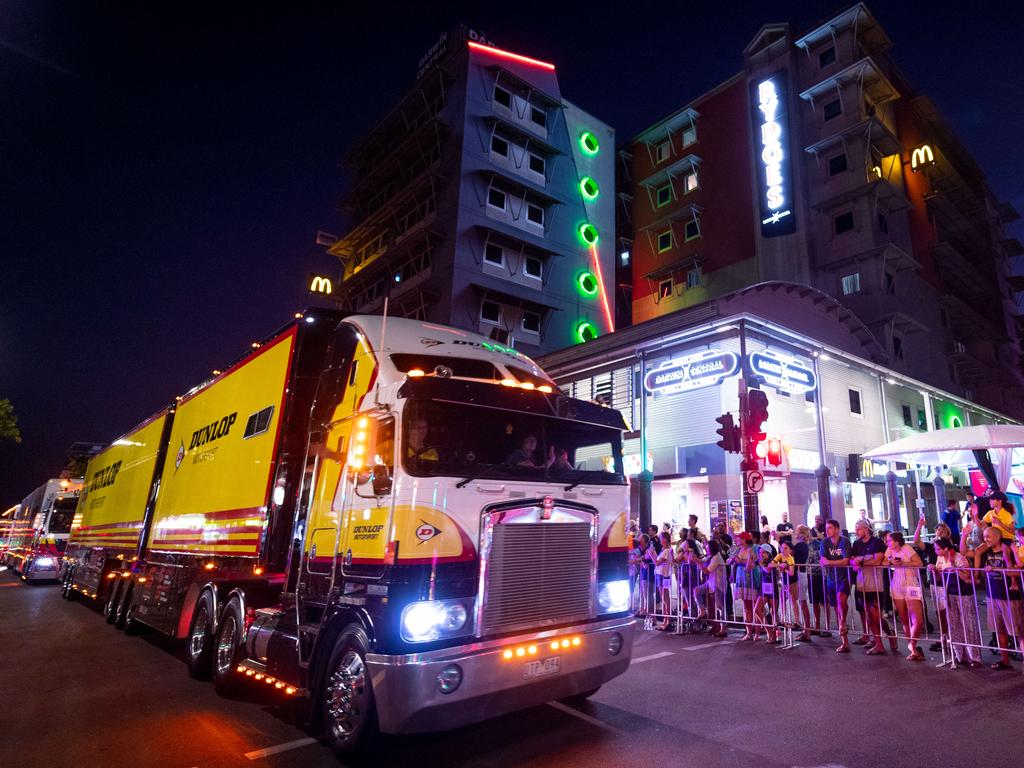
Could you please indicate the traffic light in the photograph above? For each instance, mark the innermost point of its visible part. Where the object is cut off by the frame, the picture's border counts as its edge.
(756, 415)
(730, 442)
(774, 452)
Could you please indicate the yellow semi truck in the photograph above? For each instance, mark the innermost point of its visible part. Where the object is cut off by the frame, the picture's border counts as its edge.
(406, 524)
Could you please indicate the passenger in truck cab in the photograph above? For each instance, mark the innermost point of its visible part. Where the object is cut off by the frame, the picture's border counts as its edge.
(416, 446)
(523, 456)
(561, 462)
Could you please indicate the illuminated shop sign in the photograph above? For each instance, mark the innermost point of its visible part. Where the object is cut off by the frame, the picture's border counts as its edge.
(782, 372)
(771, 136)
(921, 156)
(703, 369)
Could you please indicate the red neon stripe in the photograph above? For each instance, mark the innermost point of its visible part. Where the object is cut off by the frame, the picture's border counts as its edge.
(512, 56)
(604, 293)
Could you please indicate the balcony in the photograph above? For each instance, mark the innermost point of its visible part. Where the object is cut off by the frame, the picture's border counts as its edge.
(865, 74)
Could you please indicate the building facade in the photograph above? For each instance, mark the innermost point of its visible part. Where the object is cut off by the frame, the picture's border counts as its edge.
(819, 164)
(831, 398)
(484, 200)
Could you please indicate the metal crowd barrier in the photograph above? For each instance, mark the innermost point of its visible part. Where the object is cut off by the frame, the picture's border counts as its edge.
(941, 610)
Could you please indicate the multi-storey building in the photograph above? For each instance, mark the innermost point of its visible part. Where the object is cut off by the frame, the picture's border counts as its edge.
(819, 164)
(485, 200)
(813, 225)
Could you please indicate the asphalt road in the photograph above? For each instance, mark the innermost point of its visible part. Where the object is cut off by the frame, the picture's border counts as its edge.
(78, 693)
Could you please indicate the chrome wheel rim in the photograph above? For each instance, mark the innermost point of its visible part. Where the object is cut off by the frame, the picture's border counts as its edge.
(197, 639)
(226, 645)
(346, 696)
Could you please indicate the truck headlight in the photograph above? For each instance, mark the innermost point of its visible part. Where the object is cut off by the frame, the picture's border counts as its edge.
(613, 596)
(433, 619)
(43, 562)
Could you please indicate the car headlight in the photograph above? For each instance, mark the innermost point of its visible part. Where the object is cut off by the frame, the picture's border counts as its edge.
(433, 619)
(43, 562)
(613, 596)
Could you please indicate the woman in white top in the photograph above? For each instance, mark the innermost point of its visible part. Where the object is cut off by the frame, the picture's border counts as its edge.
(905, 589)
(663, 577)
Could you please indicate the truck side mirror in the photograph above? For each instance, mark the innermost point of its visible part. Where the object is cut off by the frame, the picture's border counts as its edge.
(381, 480)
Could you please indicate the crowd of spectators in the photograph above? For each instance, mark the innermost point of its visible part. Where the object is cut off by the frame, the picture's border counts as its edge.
(800, 579)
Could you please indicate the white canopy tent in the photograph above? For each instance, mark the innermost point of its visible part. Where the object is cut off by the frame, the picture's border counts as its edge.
(955, 448)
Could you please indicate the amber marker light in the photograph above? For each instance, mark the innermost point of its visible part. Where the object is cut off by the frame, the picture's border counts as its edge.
(415, 373)
(209, 566)
(507, 654)
(576, 641)
(508, 382)
(289, 690)
(565, 643)
(545, 389)
(258, 570)
(554, 645)
(520, 652)
(532, 650)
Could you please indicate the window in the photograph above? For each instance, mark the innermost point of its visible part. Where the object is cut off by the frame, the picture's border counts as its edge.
(889, 283)
(537, 164)
(826, 57)
(908, 417)
(496, 198)
(662, 151)
(689, 135)
(837, 164)
(535, 214)
(690, 181)
(499, 146)
(855, 404)
(533, 267)
(693, 278)
(531, 322)
(539, 116)
(843, 222)
(494, 254)
(664, 240)
(833, 109)
(851, 283)
(503, 97)
(692, 229)
(490, 312)
(665, 289)
(922, 419)
(258, 422)
(664, 195)
(897, 347)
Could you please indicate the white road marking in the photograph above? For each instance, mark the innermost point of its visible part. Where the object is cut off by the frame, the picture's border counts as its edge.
(653, 656)
(583, 716)
(708, 645)
(288, 745)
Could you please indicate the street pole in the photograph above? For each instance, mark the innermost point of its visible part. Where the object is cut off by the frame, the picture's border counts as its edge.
(751, 518)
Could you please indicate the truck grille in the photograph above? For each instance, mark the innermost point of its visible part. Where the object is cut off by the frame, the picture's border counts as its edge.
(537, 574)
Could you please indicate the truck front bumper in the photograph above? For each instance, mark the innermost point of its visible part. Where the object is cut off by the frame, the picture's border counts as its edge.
(410, 700)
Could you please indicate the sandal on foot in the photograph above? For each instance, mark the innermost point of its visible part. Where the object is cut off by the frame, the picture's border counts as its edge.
(1002, 666)
(843, 649)
(875, 651)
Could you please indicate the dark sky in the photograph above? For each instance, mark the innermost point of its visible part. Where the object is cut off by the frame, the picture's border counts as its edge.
(163, 172)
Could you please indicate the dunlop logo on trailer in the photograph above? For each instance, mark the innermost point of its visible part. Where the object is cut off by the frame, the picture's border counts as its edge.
(212, 431)
(105, 477)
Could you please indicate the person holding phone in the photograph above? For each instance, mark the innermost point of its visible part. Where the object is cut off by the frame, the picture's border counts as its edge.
(907, 596)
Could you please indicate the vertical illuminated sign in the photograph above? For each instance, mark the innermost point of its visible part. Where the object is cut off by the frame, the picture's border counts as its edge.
(771, 141)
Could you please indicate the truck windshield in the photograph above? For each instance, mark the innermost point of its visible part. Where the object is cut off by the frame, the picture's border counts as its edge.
(467, 441)
(62, 514)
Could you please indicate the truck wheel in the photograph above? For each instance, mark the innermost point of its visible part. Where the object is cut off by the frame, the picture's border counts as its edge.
(227, 651)
(113, 601)
(200, 638)
(347, 705)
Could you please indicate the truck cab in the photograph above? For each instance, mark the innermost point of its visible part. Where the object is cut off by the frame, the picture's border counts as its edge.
(39, 557)
(459, 541)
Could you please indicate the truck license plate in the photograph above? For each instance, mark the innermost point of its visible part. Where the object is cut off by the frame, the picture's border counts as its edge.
(542, 667)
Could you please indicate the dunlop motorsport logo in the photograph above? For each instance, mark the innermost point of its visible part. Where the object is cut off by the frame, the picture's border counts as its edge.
(203, 436)
(104, 478)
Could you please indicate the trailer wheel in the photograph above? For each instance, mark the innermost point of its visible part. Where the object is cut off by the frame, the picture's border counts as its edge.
(200, 638)
(113, 601)
(122, 609)
(348, 712)
(227, 650)
(67, 591)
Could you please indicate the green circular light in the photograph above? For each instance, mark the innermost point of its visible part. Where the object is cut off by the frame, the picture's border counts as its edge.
(589, 143)
(588, 234)
(587, 283)
(589, 188)
(586, 331)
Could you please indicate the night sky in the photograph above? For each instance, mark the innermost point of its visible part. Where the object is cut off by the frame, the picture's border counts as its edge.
(163, 173)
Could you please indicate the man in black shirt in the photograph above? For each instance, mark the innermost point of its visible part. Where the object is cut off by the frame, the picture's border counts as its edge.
(784, 530)
(867, 552)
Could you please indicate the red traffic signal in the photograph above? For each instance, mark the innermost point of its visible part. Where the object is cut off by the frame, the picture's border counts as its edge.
(774, 451)
(757, 414)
